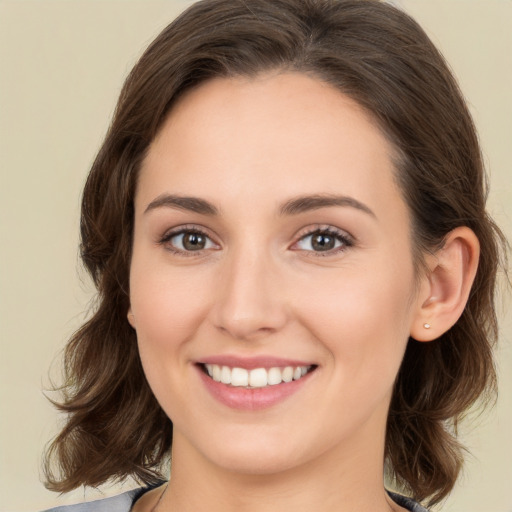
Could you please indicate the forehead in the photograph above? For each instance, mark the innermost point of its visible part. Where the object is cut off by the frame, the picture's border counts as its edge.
(268, 137)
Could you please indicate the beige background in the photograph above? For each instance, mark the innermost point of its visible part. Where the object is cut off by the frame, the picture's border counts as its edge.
(62, 64)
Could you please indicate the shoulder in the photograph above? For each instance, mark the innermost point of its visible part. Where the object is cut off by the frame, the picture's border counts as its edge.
(407, 503)
(120, 503)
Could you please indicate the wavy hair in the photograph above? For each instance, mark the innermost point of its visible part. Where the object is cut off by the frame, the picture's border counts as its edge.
(382, 59)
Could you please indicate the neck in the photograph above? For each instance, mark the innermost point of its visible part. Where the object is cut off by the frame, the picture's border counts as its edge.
(328, 483)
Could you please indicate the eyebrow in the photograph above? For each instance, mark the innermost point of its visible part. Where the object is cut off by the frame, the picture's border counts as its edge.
(314, 202)
(192, 204)
(294, 206)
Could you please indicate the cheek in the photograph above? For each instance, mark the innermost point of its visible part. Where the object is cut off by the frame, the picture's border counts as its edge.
(167, 304)
(168, 307)
(362, 317)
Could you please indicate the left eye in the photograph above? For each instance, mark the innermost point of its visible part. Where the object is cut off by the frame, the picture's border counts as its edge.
(322, 241)
(191, 241)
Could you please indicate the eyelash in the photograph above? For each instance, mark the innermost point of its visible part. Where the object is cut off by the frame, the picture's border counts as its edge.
(346, 240)
(165, 240)
(341, 236)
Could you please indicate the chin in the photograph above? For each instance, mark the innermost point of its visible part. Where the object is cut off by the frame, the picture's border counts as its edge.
(256, 454)
(256, 462)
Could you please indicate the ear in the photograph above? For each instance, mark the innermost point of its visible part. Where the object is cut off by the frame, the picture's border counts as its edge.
(445, 288)
(131, 317)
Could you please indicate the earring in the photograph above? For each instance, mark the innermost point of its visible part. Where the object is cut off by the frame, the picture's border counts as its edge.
(427, 326)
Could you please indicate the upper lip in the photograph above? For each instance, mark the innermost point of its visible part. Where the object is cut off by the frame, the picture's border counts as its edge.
(250, 363)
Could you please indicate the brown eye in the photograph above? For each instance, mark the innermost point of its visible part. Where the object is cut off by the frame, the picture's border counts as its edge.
(323, 242)
(189, 241)
(194, 241)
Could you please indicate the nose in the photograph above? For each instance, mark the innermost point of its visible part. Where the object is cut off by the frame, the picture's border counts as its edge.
(250, 301)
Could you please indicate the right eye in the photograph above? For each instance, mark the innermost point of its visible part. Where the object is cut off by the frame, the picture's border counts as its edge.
(188, 240)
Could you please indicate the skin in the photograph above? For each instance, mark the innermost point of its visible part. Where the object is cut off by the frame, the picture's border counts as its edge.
(259, 287)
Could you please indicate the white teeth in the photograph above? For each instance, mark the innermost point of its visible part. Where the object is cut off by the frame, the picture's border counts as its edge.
(274, 376)
(239, 377)
(256, 378)
(288, 374)
(225, 375)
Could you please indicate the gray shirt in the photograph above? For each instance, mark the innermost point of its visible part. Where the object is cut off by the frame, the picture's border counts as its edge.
(124, 502)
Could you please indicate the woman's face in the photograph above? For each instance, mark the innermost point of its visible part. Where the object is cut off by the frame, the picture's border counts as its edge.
(271, 243)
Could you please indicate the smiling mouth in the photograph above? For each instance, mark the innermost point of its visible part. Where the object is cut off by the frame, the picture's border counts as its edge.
(256, 377)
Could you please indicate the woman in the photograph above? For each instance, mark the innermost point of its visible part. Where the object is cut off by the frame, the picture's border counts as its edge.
(286, 225)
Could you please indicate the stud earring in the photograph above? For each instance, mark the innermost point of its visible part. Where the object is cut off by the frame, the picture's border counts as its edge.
(427, 326)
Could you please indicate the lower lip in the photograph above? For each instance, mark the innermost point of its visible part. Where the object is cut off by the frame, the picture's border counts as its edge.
(254, 399)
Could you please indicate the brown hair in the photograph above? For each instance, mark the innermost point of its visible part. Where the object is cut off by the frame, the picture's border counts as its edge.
(380, 57)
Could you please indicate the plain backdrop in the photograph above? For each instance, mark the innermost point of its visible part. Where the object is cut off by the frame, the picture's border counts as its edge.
(62, 64)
